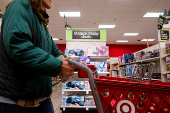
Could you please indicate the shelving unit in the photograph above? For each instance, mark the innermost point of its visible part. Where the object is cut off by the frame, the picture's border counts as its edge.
(77, 107)
(94, 58)
(75, 90)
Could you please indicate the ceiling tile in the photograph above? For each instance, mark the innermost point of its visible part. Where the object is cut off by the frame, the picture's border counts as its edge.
(68, 9)
(55, 20)
(145, 3)
(129, 19)
(133, 15)
(118, 3)
(67, 3)
(92, 2)
(149, 20)
(92, 9)
(110, 19)
(138, 9)
(116, 15)
(84, 14)
(90, 19)
(53, 13)
(115, 9)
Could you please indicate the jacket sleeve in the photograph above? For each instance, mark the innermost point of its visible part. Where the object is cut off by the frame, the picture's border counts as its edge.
(17, 35)
(55, 51)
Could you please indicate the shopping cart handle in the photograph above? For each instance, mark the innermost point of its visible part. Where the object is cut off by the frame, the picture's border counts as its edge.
(91, 79)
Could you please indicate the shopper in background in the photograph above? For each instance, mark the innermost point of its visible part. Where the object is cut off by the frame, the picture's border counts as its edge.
(25, 80)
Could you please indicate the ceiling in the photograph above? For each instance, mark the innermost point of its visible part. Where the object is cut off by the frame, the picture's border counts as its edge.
(127, 15)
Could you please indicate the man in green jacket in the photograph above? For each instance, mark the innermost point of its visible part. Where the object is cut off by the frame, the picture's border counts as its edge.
(26, 67)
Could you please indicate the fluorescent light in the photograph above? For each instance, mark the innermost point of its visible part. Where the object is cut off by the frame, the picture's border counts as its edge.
(55, 38)
(148, 39)
(151, 14)
(70, 14)
(130, 34)
(106, 26)
(122, 40)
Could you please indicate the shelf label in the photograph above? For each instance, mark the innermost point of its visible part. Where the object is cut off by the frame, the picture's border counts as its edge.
(164, 35)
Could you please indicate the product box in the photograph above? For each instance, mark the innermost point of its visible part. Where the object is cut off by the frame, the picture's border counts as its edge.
(167, 46)
(120, 60)
(98, 51)
(168, 60)
(85, 59)
(129, 69)
(87, 85)
(168, 67)
(73, 100)
(74, 85)
(89, 100)
(139, 55)
(75, 52)
(156, 53)
(168, 77)
(101, 66)
(156, 75)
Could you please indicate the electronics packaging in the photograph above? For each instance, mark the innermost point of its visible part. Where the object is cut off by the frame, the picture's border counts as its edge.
(74, 52)
(73, 100)
(98, 51)
(167, 44)
(129, 69)
(85, 59)
(74, 85)
(87, 85)
(89, 100)
(101, 66)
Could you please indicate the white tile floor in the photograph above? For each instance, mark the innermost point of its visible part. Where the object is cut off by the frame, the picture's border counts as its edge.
(57, 97)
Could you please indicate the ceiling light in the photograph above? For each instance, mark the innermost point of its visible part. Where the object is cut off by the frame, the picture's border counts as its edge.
(122, 40)
(148, 40)
(70, 14)
(106, 26)
(55, 38)
(130, 34)
(151, 14)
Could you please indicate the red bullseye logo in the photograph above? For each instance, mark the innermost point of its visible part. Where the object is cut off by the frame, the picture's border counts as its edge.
(125, 106)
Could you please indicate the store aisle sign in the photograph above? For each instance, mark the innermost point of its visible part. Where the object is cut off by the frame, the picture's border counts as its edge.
(164, 35)
(86, 35)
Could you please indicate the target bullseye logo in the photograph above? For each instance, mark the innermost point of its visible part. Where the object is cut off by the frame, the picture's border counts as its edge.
(125, 106)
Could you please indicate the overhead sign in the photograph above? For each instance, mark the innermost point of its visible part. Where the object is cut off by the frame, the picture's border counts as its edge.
(164, 35)
(86, 35)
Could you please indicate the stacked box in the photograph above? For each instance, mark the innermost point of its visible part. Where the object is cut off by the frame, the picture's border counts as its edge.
(139, 55)
(89, 100)
(75, 52)
(98, 51)
(101, 66)
(74, 85)
(73, 100)
(129, 69)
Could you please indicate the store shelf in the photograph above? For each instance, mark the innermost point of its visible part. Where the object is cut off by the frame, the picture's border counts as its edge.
(166, 72)
(140, 61)
(115, 70)
(94, 58)
(86, 107)
(164, 56)
(75, 90)
(151, 59)
(115, 63)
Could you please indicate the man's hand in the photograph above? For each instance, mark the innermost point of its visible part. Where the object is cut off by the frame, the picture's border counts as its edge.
(66, 68)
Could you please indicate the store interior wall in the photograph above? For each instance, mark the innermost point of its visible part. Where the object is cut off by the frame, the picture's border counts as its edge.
(115, 50)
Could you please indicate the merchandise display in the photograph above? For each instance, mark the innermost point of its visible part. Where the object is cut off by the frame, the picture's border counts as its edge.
(74, 85)
(101, 66)
(129, 69)
(139, 55)
(73, 100)
(84, 59)
(156, 76)
(167, 46)
(74, 52)
(97, 51)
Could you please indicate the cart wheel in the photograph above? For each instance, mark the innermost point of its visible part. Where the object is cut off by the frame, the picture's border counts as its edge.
(125, 106)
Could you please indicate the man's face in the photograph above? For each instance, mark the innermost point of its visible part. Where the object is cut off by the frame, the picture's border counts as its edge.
(47, 4)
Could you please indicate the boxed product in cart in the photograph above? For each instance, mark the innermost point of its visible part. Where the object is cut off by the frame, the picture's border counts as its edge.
(74, 85)
(89, 100)
(98, 51)
(84, 59)
(73, 100)
(75, 52)
(101, 66)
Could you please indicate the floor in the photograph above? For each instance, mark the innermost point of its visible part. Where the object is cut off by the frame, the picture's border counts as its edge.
(57, 100)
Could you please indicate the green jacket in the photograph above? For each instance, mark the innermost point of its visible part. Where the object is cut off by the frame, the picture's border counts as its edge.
(39, 63)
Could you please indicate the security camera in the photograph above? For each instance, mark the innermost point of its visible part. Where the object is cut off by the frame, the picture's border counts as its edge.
(138, 40)
(61, 39)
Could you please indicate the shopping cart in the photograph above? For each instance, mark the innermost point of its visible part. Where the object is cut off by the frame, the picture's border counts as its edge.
(122, 95)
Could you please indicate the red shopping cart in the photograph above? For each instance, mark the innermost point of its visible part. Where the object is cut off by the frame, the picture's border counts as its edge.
(124, 95)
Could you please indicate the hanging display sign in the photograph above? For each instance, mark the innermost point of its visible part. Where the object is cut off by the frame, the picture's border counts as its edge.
(85, 34)
(164, 35)
(161, 21)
